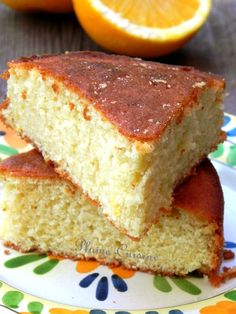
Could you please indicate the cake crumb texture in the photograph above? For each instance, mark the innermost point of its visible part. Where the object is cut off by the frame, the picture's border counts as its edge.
(39, 214)
(126, 131)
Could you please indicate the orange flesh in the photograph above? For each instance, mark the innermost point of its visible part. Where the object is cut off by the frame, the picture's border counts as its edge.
(153, 13)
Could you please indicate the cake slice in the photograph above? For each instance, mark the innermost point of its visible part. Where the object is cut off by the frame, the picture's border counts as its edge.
(126, 131)
(43, 212)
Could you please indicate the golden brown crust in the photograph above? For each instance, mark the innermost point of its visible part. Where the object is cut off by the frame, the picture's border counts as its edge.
(5, 75)
(217, 279)
(3, 106)
(27, 165)
(228, 254)
(219, 245)
(139, 97)
(201, 194)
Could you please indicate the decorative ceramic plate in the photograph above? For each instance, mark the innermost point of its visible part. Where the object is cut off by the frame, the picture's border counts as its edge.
(40, 284)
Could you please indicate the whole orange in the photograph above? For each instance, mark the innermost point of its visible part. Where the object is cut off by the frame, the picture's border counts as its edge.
(142, 28)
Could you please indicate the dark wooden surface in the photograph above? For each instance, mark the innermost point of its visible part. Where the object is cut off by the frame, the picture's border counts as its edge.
(213, 49)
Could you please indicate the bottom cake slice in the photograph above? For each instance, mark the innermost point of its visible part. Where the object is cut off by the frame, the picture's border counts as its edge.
(45, 213)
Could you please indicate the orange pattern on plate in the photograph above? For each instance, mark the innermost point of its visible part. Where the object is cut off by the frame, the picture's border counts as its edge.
(223, 307)
(11, 138)
(64, 311)
(86, 266)
(122, 272)
(60, 258)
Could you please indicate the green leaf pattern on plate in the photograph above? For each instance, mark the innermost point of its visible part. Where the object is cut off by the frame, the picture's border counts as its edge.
(162, 284)
(12, 299)
(35, 307)
(46, 267)
(231, 295)
(186, 286)
(23, 260)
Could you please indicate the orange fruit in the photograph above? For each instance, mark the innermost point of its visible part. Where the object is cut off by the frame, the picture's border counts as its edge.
(53, 6)
(142, 28)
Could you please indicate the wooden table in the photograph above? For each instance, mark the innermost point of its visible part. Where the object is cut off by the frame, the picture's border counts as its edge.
(213, 49)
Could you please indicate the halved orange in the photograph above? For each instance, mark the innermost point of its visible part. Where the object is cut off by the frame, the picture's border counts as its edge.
(144, 28)
(53, 6)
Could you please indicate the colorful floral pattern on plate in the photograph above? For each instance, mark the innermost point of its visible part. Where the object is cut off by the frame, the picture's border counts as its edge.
(113, 290)
(117, 278)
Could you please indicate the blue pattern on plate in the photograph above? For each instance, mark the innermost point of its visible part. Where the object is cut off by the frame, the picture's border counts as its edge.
(88, 280)
(232, 132)
(103, 286)
(102, 289)
(97, 312)
(229, 245)
(119, 283)
(226, 120)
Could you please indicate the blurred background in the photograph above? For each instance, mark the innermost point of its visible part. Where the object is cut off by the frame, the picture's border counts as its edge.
(212, 49)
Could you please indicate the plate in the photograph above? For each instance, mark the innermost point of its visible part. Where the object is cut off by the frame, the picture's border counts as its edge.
(38, 284)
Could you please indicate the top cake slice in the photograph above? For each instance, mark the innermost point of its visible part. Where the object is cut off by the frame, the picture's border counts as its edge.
(126, 131)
